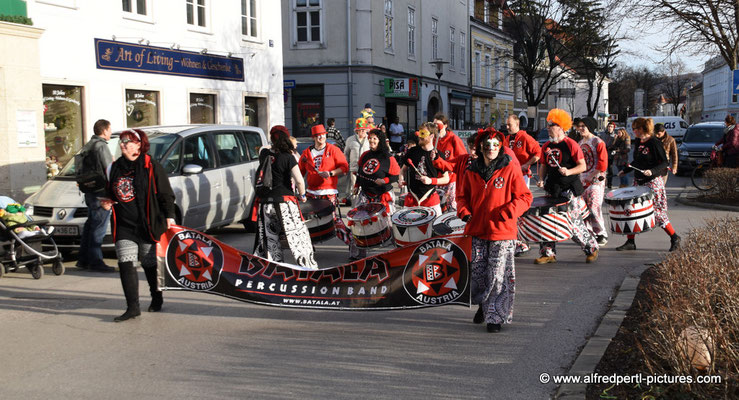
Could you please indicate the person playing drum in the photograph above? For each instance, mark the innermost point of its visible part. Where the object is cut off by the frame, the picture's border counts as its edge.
(376, 174)
(650, 163)
(322, 164)
(278, 210)
(494, 195)
(593, 179)
(561, 163)
(449, 146)
(425, 168)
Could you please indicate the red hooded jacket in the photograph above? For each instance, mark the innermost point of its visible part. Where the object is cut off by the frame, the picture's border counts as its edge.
(450, 147)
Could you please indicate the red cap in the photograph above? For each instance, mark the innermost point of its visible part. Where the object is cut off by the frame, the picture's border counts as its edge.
(317, 130)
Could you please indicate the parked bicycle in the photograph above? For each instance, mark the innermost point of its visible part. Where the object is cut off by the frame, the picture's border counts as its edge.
(698, 176)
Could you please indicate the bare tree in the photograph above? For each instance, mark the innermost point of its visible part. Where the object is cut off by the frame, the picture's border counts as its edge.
(697, 25)
(676, 83)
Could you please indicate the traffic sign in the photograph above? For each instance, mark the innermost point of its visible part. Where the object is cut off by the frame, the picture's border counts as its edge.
(288, 84)
(736, 82)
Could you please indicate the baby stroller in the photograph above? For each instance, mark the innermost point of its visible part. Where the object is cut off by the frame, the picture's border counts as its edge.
(25, 249)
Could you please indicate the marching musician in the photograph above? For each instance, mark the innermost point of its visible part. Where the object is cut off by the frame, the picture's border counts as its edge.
(561, 163)
(493, 196)
(425, 170)
(449, 147)
(593, 179)
(322, 164)
(650, 163)
(278, 210)
(377, 172)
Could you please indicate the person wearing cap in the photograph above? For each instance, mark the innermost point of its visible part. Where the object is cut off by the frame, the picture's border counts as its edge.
(368, 113)
(322, 164)
(493, 196)
(593, 179)
(278, 211)
(426, 172)
(355, 146)
(561, 164)
(449, 146)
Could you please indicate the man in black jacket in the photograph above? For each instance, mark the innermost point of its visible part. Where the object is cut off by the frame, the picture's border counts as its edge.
(90, 253)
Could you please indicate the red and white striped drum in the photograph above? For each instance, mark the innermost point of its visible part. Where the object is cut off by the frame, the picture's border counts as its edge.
(369, 224)
(583, 207)
(545, 221)
(631, 210)
(319, 218)
(448, 224)
(413, 224)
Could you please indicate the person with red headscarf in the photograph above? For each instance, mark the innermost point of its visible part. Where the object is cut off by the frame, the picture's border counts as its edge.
(493, 196)
(143, 209)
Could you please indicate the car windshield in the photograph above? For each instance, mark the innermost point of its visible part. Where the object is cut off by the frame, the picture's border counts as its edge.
(703, 134)
(159, 142)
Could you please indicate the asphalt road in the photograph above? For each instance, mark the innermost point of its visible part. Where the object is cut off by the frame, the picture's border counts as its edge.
(59, 340)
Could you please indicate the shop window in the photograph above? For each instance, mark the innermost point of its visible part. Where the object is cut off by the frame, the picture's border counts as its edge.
(202, 108)
(307, 108)
(142, 108)
(251, 111)
(63, 127)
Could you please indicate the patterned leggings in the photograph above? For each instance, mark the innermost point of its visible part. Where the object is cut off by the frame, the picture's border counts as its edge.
(284, 216)
(130, 251)
(580, 233)
(493, 278)
(660, 201)
(593, 197)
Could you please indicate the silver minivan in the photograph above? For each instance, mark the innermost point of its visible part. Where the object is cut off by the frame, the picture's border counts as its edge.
(210, 169)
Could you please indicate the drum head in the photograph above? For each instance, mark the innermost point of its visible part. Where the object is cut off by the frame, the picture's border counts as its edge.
(316, 207)
(364, 211)
(449, 224)
(628, 193)
(414, 216)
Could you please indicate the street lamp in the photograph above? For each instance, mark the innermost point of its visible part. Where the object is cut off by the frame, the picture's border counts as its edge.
(439, 67)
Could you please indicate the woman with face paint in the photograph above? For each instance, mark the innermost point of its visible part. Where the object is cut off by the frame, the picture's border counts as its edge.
(143, 209)
(493, 196)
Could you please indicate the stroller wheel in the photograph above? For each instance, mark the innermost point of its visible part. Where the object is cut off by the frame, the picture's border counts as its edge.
(37, 270)
(58, 267)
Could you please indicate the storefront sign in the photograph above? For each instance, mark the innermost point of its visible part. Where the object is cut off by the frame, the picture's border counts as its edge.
(401, 87)
(160, 60)
(432, 273)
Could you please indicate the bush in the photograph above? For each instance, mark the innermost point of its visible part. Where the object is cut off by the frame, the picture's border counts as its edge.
(725, 183)
(696, 290)
(16, 19)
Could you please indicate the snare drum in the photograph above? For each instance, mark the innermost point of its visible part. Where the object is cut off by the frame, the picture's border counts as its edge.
(412, 225)
(545, 221)
(448, 224)
(369, 224)
(631, 210)
(319, 219)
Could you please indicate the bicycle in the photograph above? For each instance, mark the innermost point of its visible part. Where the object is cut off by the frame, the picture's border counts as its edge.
(698, 176)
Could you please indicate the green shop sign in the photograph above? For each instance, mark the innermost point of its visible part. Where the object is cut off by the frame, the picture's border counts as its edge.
(407, 87)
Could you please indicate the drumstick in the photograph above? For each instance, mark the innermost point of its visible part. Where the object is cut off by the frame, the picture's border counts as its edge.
(549, 153)
(425, 196)
(635, 168)
(410, 162)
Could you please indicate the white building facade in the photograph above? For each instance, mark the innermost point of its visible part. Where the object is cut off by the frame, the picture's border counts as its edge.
(718, 97)
(146, 62)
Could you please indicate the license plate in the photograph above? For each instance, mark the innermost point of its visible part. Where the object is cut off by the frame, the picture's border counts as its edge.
(65, 230)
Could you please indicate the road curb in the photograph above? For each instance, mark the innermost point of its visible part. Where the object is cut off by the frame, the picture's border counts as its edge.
(596, 346)
(682, 199)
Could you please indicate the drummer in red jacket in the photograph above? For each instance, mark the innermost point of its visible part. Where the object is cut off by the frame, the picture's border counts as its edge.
(449, 146)
(494, 195)
(322, 164)
(561, 164)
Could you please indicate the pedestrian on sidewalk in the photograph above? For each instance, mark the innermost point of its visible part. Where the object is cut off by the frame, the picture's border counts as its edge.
(93, 232)
(493, 196)
(143, 209)
(649, 157)
(334, 134)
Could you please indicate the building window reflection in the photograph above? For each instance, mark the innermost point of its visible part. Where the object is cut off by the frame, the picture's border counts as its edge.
(63, 126)
(142, 108)
(251, 111)
(202, 108)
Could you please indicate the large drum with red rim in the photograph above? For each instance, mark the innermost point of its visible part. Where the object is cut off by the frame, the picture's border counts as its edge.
(546, 221)
(369, 224)
(319, 219)
(631, 210)
(448, 224)
(412, 224)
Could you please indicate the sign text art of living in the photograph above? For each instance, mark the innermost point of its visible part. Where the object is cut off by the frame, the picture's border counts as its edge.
(121, 56)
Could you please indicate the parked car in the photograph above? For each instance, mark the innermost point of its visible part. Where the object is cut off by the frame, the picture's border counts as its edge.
(210, 168)
(697, 145)
(543, 136)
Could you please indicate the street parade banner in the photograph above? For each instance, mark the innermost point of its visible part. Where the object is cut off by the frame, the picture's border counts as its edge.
(430, 273)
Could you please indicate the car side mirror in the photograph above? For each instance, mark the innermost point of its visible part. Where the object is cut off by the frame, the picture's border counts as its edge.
(192, 169)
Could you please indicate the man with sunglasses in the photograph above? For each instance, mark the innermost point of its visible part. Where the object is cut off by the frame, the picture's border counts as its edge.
(426, 170)
(560, 166)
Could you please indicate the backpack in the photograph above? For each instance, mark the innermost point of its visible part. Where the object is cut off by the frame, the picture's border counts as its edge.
(89, 178)
(263, 177)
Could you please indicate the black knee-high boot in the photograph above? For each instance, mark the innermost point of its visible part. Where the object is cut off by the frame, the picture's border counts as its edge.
(130, 283)
(156, 295)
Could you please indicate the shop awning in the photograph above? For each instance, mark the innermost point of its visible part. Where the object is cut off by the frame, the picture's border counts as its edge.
(460, 95)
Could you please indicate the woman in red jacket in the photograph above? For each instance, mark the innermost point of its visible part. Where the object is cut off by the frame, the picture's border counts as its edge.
(494, 195)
